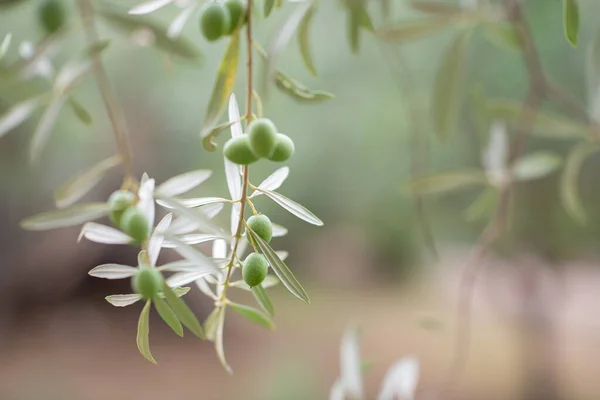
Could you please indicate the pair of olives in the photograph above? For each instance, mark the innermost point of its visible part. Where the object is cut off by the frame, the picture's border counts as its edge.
(125, 214)
(262, 141)
(52, 15)
(221, 19)
(256, 266)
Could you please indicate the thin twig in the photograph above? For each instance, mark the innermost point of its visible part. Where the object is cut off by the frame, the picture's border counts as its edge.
(115, 115)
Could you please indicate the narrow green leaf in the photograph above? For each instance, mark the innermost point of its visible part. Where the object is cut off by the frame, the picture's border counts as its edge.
(219, 324)
(183, 312)
(268, 7)
(18, 114)
(536, 165)
(569, 180)
(571, 21)
(143, 332)
(546, 124)
(281, 270)
(447, 96)
(80, 112)
(211, 324)
(71, 216)
(4, 45)
(253, 315)
(44, 128)
(407, 31)
(81, 184)
(446, 182)
(222, 90)
(290, 205)
(168, 315)
(354, 30)
(298, 91)
(263, 299)
(303, 40)
(120, 20)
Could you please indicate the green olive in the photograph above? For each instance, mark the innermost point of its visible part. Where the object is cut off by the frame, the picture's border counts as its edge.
(118, 202)
(237, 14)
(255, 269)
(237, 150)
(261, 225)
(214, 21)
(52, 15)
(284, 148)
(147, 282)
(262, 133)
(135, 224)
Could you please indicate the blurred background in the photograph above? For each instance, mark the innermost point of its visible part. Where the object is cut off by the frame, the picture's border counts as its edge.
(534, 335)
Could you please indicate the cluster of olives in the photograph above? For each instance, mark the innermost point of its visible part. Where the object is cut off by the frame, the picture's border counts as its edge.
(52, 15)
(126, 215)
(221, 19)
(262, 141)
(256, 266)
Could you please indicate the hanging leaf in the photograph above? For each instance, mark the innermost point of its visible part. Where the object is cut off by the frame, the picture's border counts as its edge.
(183, 183)
(536, 165)
(298, 91)
(358, 17)
(143, 341)
(81, 184)
(253, 315)
(268, 7)
(44, 128)
(263, 299)
(123, 300)
(222, 90)
(447, 97)
(19, 114)
(293, 207)
(167, 315)
(281, 270)
(303, 40)
(75, 215)
(80, 112)
(569, 180)
(113, 271)
(127, 24)
(407, 31)
(446, 182)
(183, 312)
(218, 338)
(571, 21)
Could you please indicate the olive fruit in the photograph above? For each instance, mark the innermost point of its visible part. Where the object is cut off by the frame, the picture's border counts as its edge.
(261, 225)
(214, 21)
(118, 202)
(255, 269)
(52, 15)
(135, 224)
(238, 151)
(147, 282)
(284, 148)
(237, 14)
(262, 133)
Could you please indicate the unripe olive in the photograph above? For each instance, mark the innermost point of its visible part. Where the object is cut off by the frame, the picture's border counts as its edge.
(147, 282)
(135, 224)
(284, 148)
(118, 202)
(262, 133)
(237, 14)
(261, 225)
(52, 15)
(237, 150)
(255, 269)
(214, 21)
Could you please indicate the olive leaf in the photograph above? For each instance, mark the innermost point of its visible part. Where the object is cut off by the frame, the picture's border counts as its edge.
(203, 263)
(298, 91)
(536, 165)
(252, 315)
(5, 44)
(45, 126)
(222, 90)
(350, 365)
(81, 184)
(183, 312)
(218, 338)
(183, 183)
(167, 314)
(281, 270)
(407, 31)
(569, 180)
(18, 114)
(358, 18)
(263, 299)
(75, 215)
(123, 300)
(143, 341)
(446, 182)
(268, 7)
(293, 207)
(571, 21)
(113, 271)
(273, 181)
(303, 39)
(103, 234)
(148, 7)
(130, 24)
(447, 97)
(195, 216)
(80, 111)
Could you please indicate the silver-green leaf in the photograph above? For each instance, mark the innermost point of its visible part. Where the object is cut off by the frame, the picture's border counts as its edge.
(143, 332)
(253, 315)
(183, 312)
(569, 180)
(168, 315)
(75, 215)
(293, 207)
